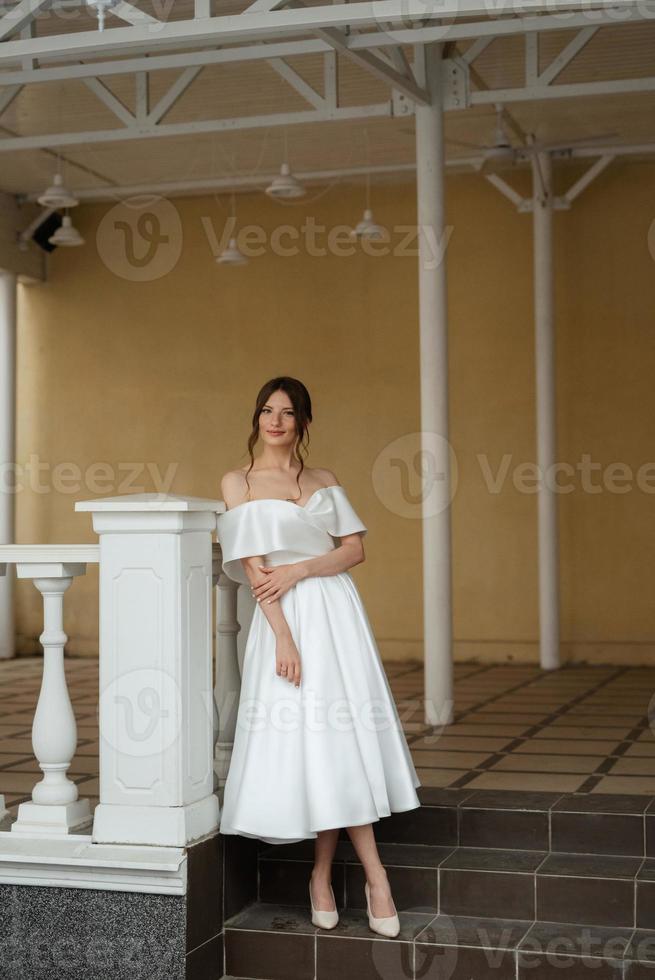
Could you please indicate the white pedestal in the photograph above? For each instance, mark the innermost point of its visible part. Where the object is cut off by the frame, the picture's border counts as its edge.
(156, 698)
(37, 819)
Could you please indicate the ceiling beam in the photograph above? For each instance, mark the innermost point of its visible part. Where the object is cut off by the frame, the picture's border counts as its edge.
(138, 131)
(594, 170)
(371, 63)
(574, 90)
(112, 101)
(482, 33)
(175, 92)
(20, 16)
(268, 24)
(566, 56)
(297, 82)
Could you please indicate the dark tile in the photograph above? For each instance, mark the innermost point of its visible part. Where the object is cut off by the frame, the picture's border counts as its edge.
(588, 900)
(272, 955)
(598, 833)
(638, 971)
(645, 915)
(411, 855)
(353, 923)
(604, 803)
(260, 917)
(647, 870)
(204, 891)
(299, 851)
(463, 930)
(562, 938)
(511, 799)
(650, 833)
(422, 825)
(413, 889)
(442, 795)
(642, 947)
(240, 872)
(486, 893)
(494, 859)
(363, 959)
(594, 865)
(554, 967)
(437, 962)
(206, 962)
(287, 882)
(493, 827)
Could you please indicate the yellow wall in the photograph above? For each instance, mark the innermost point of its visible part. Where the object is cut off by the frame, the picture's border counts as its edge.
(165, 373)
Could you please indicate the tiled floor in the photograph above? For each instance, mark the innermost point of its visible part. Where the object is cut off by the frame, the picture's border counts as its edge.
(577, 729)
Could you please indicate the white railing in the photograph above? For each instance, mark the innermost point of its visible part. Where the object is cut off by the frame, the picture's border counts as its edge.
(55, 807)
(166, 732)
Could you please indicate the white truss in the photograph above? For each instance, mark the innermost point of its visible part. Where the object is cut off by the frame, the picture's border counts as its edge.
(370, 34)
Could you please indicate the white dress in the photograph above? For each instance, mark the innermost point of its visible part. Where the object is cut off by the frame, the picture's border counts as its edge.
(331, 752)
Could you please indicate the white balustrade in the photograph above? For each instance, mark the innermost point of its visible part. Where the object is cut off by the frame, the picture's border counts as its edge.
(55, 807)
(156, 709)
(166, 733)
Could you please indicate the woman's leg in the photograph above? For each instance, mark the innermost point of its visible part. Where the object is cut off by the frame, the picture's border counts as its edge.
(366, 847)
(324, 848)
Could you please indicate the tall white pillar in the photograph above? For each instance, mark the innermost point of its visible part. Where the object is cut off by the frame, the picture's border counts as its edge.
(7, 453)
(544, 320)
(433, 324)
(156, 702)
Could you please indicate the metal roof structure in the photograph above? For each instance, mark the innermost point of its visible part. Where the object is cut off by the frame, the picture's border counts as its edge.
(216, 85)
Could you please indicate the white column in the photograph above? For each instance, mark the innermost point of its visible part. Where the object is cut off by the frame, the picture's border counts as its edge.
(156, 697)
(433, 321)
(544, 320)
(55, 808)
(7, 452)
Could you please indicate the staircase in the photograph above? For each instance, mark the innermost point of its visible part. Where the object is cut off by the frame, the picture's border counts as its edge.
(489, 885)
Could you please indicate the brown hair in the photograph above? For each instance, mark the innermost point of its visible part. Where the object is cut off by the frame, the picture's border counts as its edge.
(302, 407)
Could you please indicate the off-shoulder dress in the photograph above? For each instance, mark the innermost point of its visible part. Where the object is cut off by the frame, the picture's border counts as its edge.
(331, 752)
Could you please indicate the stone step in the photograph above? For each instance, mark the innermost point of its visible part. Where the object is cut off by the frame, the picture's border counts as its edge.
(592, 889)
(267, 941)
(591, 823)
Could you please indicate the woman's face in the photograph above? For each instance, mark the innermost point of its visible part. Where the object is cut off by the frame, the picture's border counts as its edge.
(277, 420)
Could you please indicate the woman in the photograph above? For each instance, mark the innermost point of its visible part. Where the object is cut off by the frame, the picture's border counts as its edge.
(325, 748)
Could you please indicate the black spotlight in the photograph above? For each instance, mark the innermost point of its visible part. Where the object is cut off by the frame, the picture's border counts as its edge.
(47, 228)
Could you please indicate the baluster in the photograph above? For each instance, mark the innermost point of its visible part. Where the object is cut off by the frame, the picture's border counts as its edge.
(55, 807)
(228, 674)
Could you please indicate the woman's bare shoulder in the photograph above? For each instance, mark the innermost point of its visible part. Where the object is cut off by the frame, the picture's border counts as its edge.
(325, 477)
(234, 489)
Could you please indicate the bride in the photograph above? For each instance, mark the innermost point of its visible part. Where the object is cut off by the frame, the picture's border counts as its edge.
(291, 534)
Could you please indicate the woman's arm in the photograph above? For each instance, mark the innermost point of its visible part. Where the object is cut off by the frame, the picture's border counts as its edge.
(350, 552)
(272, 610)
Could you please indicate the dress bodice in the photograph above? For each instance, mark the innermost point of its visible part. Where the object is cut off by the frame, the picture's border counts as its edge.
(283, 531)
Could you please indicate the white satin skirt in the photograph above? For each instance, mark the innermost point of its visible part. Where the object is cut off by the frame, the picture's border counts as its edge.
(331, 753)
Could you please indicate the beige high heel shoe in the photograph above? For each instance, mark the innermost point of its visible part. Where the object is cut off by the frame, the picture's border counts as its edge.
(323, 919)
(386, 925)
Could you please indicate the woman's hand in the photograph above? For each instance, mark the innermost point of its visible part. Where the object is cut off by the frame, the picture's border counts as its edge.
(277, 581)
(287, 659)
